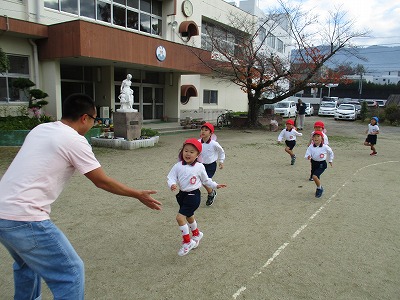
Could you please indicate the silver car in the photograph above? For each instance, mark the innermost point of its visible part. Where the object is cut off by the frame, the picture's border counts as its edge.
(309, 109)
(346, 112)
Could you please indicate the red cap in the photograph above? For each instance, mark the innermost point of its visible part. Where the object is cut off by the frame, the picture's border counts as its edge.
(209, 126)
(290, 121)
(195, 143)
(317, 132)
(319, 124)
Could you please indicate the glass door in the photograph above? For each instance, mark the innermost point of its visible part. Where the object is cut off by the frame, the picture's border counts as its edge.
(147, 99)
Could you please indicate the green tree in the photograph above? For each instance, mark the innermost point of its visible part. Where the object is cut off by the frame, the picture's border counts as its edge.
(363, 111)
(4, 62)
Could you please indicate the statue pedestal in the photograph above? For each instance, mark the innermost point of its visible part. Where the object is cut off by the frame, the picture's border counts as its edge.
(127, 125)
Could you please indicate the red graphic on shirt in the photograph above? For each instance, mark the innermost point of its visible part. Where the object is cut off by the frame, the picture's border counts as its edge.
(291, 137)
(322, 155)
(192, 180)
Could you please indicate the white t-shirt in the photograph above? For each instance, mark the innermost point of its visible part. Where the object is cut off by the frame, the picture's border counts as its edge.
(288, 135)
(36, 177)
(319, 153)
(189, 177)
(212, 151)
(372, 129)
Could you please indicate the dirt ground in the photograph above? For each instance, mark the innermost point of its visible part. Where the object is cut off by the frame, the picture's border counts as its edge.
(266, 236)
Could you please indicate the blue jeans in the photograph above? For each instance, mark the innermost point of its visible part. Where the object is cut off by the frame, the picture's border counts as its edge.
(41, 250)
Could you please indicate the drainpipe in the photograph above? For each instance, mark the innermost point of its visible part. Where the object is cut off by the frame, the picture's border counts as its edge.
(35, 63)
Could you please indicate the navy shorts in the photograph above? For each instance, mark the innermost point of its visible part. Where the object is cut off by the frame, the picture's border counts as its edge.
(188, 202)
(290, 144)
(371, 138)
(210, 169)
(318, 167)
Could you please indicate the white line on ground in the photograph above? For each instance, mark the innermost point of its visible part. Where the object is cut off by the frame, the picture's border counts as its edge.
(304, 226)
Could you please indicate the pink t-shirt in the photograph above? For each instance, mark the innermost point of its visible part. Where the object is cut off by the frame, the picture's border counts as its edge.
(44, 164)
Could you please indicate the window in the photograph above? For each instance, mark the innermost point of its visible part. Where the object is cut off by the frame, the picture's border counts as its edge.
(271, 40)
(19, 68)
(224, 40)
(210, 97)
(280, 45)
(142, 15)
(69, 6)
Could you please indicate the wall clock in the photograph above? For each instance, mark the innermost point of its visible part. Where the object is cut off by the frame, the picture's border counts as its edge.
(187, 8)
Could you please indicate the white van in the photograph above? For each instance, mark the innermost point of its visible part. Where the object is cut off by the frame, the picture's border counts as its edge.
(285, 108)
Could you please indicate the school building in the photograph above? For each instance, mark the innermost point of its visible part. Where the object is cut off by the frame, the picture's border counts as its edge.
(69, 46)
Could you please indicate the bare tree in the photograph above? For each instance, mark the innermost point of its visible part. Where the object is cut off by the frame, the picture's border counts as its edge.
(240, 53)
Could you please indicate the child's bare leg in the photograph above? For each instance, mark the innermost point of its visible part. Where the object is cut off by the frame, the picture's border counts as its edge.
(367, 144)
(181, 219)
(190, 219)
(373, 148)
(287, 149)
(317, 180)
(209, 190)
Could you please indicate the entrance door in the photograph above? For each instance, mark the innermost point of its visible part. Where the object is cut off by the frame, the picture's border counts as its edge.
(153, 102)
(147, 99)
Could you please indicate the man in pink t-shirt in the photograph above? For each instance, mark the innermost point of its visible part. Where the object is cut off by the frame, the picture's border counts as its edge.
(46, 161)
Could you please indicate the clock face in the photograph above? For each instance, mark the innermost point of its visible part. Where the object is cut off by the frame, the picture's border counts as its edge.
(187, 8)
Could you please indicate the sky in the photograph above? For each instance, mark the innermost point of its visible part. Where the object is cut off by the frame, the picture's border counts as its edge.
(380, 17)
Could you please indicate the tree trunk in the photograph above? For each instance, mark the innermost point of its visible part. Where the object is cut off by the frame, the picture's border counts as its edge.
(253, 109)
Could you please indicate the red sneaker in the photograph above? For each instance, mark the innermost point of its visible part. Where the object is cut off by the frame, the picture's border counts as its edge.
(374, 153)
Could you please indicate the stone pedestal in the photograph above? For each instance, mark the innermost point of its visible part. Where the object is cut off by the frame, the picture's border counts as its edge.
(127, 125)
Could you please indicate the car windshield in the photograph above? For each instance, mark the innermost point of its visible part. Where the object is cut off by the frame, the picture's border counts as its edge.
(328, 104)
(282, 104)
(346, 107)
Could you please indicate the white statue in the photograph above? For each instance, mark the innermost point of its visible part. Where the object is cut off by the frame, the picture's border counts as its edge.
(126, 95)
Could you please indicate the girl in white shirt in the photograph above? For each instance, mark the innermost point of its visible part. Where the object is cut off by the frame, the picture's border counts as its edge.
(189, 175)
(318, 153)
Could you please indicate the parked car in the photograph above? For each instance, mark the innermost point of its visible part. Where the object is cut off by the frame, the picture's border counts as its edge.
(327, 108)
(357, 104)
(346, 112)
(330, 99)
(381, 103)
(286, 108)
(309, 109)
(371, 103)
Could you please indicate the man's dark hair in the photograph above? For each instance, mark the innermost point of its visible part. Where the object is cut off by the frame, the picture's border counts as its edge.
(77, 105)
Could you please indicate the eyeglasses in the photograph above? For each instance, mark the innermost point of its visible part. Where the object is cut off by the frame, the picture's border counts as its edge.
(94, 119)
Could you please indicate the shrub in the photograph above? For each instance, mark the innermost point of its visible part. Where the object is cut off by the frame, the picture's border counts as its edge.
(392, 113)
(364, 111)
(148, 132)
(22, 122)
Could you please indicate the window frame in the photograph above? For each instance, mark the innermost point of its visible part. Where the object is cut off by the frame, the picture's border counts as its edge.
(208, 97)
(8, 79)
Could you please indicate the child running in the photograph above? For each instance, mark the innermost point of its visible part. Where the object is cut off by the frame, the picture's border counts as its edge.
(289, 134)
(317, 153)
(318, 126)
(189, 175)
(212, 152)
(373, 131)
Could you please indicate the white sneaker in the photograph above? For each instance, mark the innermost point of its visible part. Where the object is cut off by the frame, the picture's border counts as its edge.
(186, 247)
(197, 239)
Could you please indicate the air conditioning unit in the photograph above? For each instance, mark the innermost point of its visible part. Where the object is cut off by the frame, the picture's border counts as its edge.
(104, 112)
